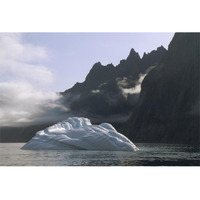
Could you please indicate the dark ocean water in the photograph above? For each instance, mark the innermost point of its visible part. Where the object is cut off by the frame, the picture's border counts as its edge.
(11, 154)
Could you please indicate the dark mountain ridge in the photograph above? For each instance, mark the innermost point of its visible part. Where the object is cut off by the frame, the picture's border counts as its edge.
(168, 107)
(102, 92)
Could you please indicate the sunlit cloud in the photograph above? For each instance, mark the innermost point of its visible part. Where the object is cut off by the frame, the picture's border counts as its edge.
(137, 88)
(19, 61)
(22, 100)
(95, 91)
(125, 88)
(13, 48)
(21, 103)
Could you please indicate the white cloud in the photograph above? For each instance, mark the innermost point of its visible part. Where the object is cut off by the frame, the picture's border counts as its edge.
(95, 91)
(21, 79)
(137, 88)
(17, 60)
(12, 48)
(24, 71)
(123, 85)
(20, 103)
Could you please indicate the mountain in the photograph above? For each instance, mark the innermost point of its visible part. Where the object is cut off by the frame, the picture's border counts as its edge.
(168, 106)
(108, 94)
(111, 90)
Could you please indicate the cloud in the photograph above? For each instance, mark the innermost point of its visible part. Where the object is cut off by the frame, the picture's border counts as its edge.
(20, 61)
(137, 88)
(23, 71)
(95, 91)
(22, 100)
(21, 104)
(124, 85)
(13, 48)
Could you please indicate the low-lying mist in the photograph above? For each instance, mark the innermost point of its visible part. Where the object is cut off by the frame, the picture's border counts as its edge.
(21, 104)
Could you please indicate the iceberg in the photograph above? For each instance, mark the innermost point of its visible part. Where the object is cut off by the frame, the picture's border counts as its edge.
(77, 133)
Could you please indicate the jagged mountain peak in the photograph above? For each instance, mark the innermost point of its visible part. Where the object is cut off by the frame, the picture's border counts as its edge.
(110, 65)
(159, 50)
(161, 47)
(97, 64)
(133, 55)
(100, 93)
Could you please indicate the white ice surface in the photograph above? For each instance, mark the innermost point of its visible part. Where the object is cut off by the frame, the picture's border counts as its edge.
(79, 134)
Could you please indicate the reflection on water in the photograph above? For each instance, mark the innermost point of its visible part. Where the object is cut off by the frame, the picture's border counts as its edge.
(148, 155)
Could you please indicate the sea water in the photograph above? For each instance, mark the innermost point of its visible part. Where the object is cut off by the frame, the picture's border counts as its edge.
(11, 154)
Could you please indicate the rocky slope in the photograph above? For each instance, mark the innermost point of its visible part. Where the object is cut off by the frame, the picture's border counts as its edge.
(168, 107)
(111, 90)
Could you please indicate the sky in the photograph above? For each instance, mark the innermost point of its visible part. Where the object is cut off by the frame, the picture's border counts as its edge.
(72, 55)
(34, 67)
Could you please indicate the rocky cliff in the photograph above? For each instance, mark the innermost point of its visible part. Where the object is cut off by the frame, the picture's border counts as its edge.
(109, 90)
(168, 106)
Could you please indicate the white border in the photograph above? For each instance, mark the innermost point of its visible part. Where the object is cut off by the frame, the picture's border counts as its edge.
(99, 183)
(104, 182)
(99, 15)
